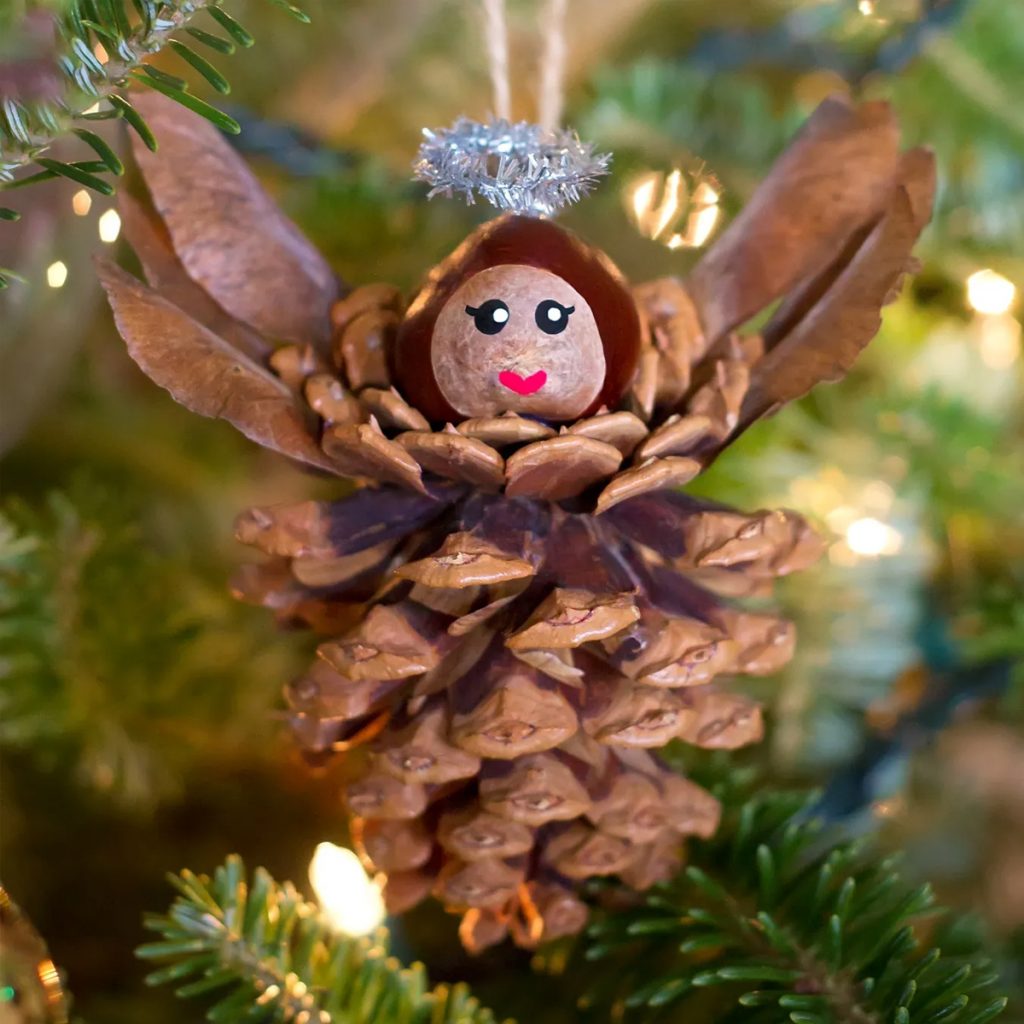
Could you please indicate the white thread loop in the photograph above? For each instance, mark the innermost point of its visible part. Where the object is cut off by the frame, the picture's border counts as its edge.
(552, 68)
(496, 35)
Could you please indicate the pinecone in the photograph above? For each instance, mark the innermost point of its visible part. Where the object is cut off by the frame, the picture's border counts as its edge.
(515, 613)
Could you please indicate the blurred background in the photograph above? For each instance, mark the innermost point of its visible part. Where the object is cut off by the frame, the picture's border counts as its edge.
(139, 704)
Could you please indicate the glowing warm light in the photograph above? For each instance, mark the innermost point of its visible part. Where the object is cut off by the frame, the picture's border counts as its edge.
(81, 202)
(93, 109)
(871, 537)
(642, 198)
(671, 204)
(656, 201)
(999, 342)
(109, 226)
(56, 274)
(990, 293)
(704, 216)
(350, 900)
(101, 53)
(866, 7)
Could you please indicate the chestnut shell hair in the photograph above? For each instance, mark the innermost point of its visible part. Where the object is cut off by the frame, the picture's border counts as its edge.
(531, 242)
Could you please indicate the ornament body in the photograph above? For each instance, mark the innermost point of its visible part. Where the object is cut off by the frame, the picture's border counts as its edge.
(518, 605)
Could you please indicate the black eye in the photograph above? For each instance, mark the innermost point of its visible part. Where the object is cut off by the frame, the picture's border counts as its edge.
(490, 317)
(552, 317)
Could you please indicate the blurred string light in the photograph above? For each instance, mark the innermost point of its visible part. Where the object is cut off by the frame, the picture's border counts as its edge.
(56, 274)
(989, 293)
(681, 211)
(871, 538)
(81, 202)
(993, 296)
(999, 341)
(109, 226)
(350, 900)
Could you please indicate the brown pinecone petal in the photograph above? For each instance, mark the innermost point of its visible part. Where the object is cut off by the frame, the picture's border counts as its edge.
(330, 572)
(623, 713)
(557, 664)
(326, 529)
(325, 693)
(420, 752)
(392, 642)
(404, 889)
(393, 845)
(570, 618)
(391, 410)
(363, 451)
(465, 560)
(363, 300)
(765, 643)
(547, 911)
(662, 650)
(645, 385)
(360, 351)
(499, 431)
(473, 834)
(294, 364)
(452, 455)
(621, 430)
(654, 475)
(499, 596)
(691, 810)
(382, 797)
(533, 791)
(633, 809)
(678, 435)
(481, 928)
(582, 851)
(723, 538)
(560, 467)
(327, 397)
(515, 717)
(720, 399)
(480, 883)
(656, 862)
(717, 720)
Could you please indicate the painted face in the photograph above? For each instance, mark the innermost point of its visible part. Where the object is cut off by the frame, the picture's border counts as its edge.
(518, 338)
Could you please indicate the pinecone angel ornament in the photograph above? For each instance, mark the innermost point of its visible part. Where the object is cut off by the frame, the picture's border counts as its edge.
(518, 600)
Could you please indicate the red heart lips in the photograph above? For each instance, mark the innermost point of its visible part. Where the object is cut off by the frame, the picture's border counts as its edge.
(523, 385)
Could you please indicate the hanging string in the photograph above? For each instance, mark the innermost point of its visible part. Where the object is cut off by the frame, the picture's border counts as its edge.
(530, 169)
(496, 34)
(552, 67)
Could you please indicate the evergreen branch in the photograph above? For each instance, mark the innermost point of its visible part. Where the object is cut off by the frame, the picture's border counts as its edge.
(278, 959)
(780, 918)
(87, 88)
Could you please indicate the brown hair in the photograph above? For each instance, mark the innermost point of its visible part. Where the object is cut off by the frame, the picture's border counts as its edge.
(531, 242)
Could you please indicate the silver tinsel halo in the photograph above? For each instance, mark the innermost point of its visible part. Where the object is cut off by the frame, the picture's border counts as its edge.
(522, 167)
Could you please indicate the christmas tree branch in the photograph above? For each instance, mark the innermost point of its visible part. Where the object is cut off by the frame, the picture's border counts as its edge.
(277, 958)
(101, 47)
(780, 918)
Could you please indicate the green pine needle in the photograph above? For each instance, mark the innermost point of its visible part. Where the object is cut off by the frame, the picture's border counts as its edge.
(779, 911)
(266, 954)
(131, 31)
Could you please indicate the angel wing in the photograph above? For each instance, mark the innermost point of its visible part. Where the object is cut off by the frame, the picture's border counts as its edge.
(829, 232)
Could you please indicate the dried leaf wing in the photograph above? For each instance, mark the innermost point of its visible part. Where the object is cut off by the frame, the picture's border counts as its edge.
(230, 236)
(832, 179)
(825, 341)
(204, 373)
